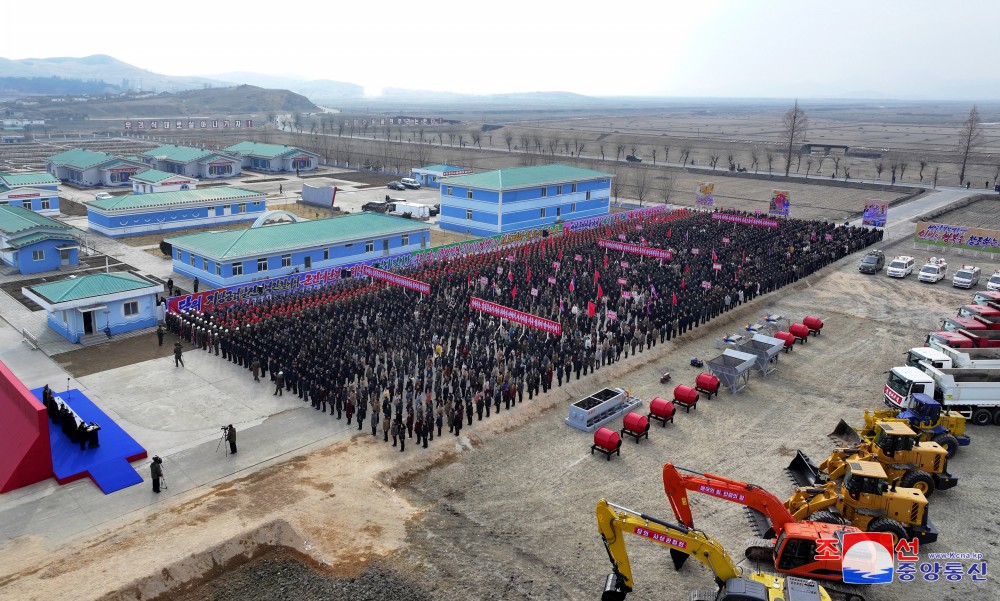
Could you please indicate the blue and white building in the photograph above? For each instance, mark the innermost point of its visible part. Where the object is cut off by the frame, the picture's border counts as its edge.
(431, 175)
(521, 198)
(273, 157)
(141, 213)
(231, 257)
(155, 181)
(32, 243)
(83, 167)
(192, 162)
(38, 192)
(101, 304)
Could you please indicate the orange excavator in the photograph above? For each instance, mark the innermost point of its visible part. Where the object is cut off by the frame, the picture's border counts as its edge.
(795, 547)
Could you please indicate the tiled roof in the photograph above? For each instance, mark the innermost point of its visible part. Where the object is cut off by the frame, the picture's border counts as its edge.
(154, 176)
(28, 179)
(233, 244)
(21, 242)
(525, 177)
(177, 154)
(269, 151)
(176, 198)
(217, 156)
(18, 219)
(81, 158)
(443, 168)
(89, 286)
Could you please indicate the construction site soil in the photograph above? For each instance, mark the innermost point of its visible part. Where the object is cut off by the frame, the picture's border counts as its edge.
(506, 511)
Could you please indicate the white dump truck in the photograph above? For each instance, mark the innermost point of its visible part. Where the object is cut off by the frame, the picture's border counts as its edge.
(948, 358)
(975, 393)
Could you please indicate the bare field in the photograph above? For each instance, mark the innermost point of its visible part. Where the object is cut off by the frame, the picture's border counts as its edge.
(507, 510)
(984, 213)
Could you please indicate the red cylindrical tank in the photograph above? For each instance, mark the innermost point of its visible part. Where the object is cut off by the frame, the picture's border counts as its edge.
(787, 337)
(707, 382)
(813, 323)
(685, 394)
(636, 423)
(662, 407)
(609, 440)
(799, 330)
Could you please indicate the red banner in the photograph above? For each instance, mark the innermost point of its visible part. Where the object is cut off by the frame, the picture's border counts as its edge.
(645, 251)
(516, 316)
(745, 220)
(398, 280)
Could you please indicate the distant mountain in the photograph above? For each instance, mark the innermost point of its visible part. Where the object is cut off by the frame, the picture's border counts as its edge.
(322, 89)
(103, 68)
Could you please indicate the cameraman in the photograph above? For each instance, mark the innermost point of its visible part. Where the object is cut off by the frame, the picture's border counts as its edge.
(156, 472)
(231, 438)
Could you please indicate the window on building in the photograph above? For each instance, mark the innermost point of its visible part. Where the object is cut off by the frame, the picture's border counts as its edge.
(558, 212)
(423, 242)
(558, 190)
(218, 269)
(261, 264)
(38, 255)
(211, 211)
(286, 260)
(572, 207)
(243, 207)
(237, 268)
(370, 246)
(131, 308)
(588, 194)
(204, 264)
(468, 214)
(326, 254)
(468, 194)
(574, 188)
(46, 204)
(448, 191)
(225, 209)
(541, 213)
(545, 192)
(192, 260)
(405, 239)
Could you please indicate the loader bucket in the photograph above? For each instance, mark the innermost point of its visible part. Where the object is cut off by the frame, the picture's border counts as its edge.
(803, 471)
(844, 432)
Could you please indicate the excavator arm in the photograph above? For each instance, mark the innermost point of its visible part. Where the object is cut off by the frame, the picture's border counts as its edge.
(676, 485)
(614, 521)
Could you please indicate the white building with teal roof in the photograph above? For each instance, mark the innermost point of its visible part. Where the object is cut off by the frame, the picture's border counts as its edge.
(522, 198)
(38, 192)
(162, 211)
(86, 168)
(431, 175)
(192, 162)
(154, 181)
(274, 157)
(102, 304)
(231, 257)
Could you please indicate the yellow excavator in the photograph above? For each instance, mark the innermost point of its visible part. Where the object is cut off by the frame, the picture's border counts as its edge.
(614, 521)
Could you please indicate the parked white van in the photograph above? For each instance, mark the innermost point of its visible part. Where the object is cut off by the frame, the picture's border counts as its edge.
(410, 183)
(966, 277)
(900, 267)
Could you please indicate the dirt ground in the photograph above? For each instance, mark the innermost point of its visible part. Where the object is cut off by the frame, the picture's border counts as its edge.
(507, 511)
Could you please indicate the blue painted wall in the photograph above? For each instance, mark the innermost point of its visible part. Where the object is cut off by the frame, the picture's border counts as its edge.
(172, 219)
(69, 323)
(50, 260)
(35, 204)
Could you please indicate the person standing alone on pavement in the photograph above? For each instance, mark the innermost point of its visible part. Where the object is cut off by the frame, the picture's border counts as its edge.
(231, 439)
(156, 472)
(178, 360)
(159, 335)
(196, 285)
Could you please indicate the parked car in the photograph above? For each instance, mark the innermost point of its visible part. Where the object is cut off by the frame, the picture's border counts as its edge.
(376, 206)
(102, 196)
(873, 262)
(436, 209)
(633, 159)
(396, 186)
(966, 277)
(410, 183)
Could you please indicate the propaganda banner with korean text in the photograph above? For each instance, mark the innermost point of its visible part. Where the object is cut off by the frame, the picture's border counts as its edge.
(396, 280)
(705, 195)
(875, 213)
(526, 319)
(780, 202)
(757, 221)
(658, 253)
(956, 236)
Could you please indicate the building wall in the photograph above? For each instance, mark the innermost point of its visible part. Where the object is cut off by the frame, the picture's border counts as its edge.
(35, 203)
(116, 178)
(130, 224)
(204, 171)
(82, 177)
(69, 323)
(278, 164)
(48, 256)
(493, 213)
(320, 257)
(144, 188)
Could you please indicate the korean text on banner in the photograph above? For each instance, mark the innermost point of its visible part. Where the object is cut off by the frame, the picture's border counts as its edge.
(516, 316)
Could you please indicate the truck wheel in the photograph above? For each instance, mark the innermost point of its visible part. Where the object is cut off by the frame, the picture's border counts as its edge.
(919, 480)
(948, 442)
(982, 417)
(828, 517)
(996, 417)
(888, 525)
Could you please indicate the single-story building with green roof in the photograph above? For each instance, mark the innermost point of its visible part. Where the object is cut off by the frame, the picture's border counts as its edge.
(192, 162)
(33, 243)
(431, 175)
(522, 198)
(154, 181)
(273, 157)
(38, 192)
(101, 304)
(84, 167)
(231, 257)
(161, 211)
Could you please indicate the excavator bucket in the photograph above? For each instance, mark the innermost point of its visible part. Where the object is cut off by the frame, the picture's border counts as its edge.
(844, 432)
(803, 471)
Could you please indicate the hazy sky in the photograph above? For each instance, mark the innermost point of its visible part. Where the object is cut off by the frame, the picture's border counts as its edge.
(893, 48)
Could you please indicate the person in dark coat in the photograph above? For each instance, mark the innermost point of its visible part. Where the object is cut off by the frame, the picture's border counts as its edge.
(156, 472)
(159, 335)
(255, 366)
(231, 438)
(279, 383)
(178, 360)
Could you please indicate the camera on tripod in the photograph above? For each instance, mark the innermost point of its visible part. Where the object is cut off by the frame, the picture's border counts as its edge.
(224, 428)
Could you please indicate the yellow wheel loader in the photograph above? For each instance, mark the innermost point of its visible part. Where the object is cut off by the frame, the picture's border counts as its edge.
(925, 416)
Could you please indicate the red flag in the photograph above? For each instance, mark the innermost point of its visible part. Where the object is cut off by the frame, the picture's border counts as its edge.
(686, 268)
(600, 292)
(572, 284)
(682, 284)
(605, 261)
(673, 298)
(591, 309)
(510, 275)
(669, 231)
(513, 291)
(559, 258)
(528, 279)
(715, 258)
(597, 275)
(468, 280)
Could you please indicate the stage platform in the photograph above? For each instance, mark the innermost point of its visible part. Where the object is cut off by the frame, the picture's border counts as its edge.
(107, 465)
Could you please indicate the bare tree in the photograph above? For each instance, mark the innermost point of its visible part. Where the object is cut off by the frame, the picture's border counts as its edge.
(668, 189)
(451, 137)
(893, 165)
(508, 137)
(847, 173)
(769, 159)
(621, 149)
(685, 153)
(601, 148)
(422, 153)
(666, 153)
(903, 164)
(731, 159)
(836, 165)
(654, 155)
(477, 137)
(420, 135)
(552, 143)
(793, 131)
(617, 183)
(713, 157)
(879, 167)
(440, 137)
(809, 166)
(461, 139)
(754, 157)
(640, 182)
(922, 164)
(579, 149)
(819, 163)
(996, 175)
(566, 143)
(525, 142)
(970, 138)
(537, 141)
(936, 176)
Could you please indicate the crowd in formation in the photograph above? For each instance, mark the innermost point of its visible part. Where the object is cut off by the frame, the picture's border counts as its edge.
(407, 365)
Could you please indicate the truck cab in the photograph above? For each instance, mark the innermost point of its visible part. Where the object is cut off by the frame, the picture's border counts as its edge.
(903, 382)
(994, 283)
(987, 310)
(987, 296)
(933, 271)
(954, 339)
(900, 266)
(932, 356)
(966, 277)
(952, 324)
